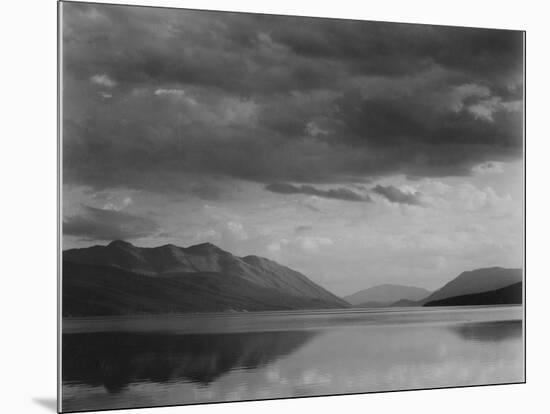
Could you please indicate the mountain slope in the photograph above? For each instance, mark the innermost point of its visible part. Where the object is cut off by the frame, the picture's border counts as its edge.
(171, 260)
(383, 295)
(96, 290)
(509, 295)
(122, 279)
(477, 281)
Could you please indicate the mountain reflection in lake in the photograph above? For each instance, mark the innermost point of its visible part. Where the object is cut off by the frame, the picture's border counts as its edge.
(115, 360)
(302, 354)
(495, 331)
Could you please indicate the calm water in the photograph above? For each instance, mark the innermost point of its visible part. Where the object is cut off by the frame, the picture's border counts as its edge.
(135, 361)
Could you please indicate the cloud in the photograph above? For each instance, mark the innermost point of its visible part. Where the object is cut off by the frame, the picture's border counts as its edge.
(336, 193)
(207, 191)
(103, 80)
(281, 99)
(169, 92)
(472, 198)
(395, 195)
(104, 224)
(237, 230)
(313, 245)
(462, 93)
(303, 244)
(314, 130)
(489, 167)
(118, 205)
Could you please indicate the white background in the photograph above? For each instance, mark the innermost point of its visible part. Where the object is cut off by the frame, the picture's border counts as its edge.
(28, 191)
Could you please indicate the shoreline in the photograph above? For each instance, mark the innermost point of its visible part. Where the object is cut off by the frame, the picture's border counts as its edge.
(289, 312)
(203, 323)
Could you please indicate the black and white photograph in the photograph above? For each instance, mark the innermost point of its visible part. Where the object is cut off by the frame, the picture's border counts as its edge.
(259, 206)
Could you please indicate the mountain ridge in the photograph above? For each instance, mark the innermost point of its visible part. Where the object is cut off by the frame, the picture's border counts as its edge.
(206, 278)
(508, 295)
(169, 259)
(202, 272)
(477, 281)
(385, 295)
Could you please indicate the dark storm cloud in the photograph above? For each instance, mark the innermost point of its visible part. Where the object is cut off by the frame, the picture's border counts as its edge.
(101, 224)
(395, 195)
(336, 193)
(155, 95)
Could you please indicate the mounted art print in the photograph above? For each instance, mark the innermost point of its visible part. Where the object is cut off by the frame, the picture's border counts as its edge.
(263, 206)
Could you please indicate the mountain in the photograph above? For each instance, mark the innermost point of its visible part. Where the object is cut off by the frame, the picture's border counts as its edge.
(385, 295)
(477, 281)
(509, 295)
(406, 303)
(121, 278)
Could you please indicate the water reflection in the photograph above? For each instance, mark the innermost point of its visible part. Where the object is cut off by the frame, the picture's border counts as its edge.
(115, 360)
(300, 355)
(493, 331)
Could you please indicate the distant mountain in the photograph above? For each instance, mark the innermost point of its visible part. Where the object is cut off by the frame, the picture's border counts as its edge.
(477, 281)
(385, 295)
(121, 278)
(406, 303)
(509, 295)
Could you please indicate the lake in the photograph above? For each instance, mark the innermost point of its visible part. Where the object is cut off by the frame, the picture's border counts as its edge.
(121, 362)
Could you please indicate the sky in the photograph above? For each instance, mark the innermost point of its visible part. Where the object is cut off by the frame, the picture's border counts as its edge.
(358, 153)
